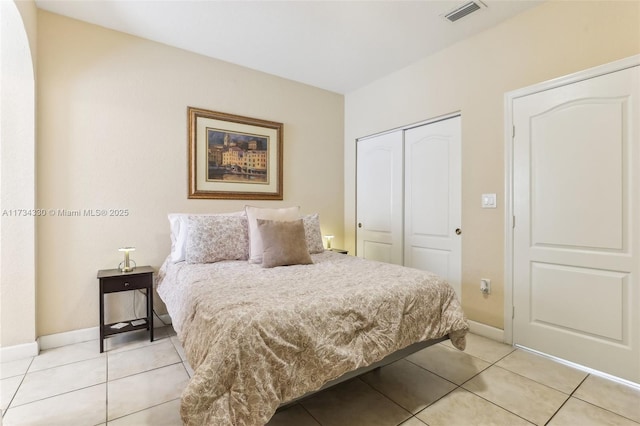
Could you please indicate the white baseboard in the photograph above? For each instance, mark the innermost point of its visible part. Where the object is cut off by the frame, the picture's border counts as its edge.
(82, 335)
(15, 352)
(50, 341)
(164, 319)
(487, 331)
(68, 337)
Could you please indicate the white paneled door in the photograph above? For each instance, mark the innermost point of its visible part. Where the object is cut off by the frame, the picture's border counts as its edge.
(432, 212)
(576, 240)
(380, 197)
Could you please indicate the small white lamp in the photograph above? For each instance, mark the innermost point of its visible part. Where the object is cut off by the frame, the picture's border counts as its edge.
(329, 238)
(125, 266)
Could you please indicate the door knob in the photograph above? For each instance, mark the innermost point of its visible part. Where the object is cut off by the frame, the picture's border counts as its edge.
(458, 231)
(359, 225)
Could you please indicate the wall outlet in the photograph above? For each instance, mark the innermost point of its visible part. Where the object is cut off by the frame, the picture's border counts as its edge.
(485, 286)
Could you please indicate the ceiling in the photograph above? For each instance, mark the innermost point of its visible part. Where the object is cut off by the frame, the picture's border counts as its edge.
(334, 45)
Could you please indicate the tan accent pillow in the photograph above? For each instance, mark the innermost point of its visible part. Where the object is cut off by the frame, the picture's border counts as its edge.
(283, 243)
(255, 213)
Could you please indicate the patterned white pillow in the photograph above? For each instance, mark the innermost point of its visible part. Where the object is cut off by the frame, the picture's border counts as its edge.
(179, 223)
(215, 238)
(312, 233)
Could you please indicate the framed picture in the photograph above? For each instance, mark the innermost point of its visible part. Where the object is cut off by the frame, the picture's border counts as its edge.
(234, 157)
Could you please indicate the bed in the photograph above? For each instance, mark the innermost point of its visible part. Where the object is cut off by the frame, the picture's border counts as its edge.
(257, 337)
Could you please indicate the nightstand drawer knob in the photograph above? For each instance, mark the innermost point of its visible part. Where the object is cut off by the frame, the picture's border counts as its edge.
(126, 284)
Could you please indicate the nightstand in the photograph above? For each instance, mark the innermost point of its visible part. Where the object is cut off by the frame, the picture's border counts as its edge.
(113, 281)
(337, 250)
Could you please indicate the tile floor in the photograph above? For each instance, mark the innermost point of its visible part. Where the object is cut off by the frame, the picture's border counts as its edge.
(136, 382)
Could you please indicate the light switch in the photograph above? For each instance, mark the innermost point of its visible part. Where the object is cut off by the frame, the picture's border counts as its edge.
(488, 201)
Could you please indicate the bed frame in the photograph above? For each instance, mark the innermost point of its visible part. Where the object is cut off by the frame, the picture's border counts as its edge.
(393, 357)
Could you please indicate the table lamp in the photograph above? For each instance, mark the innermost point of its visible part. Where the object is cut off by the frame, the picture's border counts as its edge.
(329, 238)
(125, 266)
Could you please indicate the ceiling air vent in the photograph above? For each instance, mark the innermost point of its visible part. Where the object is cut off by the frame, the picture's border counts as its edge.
(464, 10)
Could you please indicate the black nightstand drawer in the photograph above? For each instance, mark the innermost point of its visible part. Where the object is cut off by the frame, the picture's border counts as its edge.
(124, 283)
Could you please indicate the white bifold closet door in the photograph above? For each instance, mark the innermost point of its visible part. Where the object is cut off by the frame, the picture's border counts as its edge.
(408, 198)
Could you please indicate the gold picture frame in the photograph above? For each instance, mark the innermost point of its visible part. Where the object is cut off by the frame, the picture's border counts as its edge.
(234, 157)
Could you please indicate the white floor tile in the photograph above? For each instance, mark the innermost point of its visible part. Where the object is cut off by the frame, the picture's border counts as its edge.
(612, 396)
(122, 364)
(66, 355)
(187, 367)
(578, 412)
(57, 380)
(464, 408)
(408, 385)
(169, 330)
(413, 421)
(68, 386)
(15, 368)
(543, 370)
(293, 416)
(528, 399)
(167, 414)
(451, 364)
(81, 407)
(133, 340)
(354, 403)
(8, 388)
(486, 349)
(179, 348)
(145, 390)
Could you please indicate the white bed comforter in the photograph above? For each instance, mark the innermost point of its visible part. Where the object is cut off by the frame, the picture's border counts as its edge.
(258, 337)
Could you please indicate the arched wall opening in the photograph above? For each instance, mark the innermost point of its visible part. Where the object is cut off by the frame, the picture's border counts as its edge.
(17, 188)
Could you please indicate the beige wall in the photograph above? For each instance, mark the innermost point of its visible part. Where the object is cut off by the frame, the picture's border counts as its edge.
(551, 40)
(112, 133)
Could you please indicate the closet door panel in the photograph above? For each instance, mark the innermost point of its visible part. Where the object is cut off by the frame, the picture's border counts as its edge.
(380, 198)
(432, 199)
